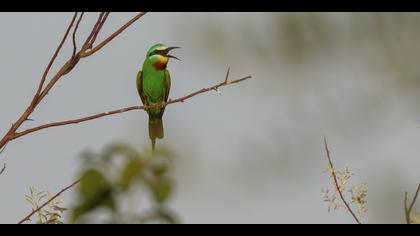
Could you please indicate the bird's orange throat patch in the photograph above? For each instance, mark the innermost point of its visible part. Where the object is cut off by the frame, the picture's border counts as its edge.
(161, 63)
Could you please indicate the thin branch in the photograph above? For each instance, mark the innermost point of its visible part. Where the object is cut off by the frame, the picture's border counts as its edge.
(66, 68)
(3, 169)
(3, 148)
(112, 36)
(87, 43)
(74, 34)
(44, 76)
(99, 27)
(409, 209)
(347, 205)
(70, 64)
(414, 199)
(407, 213)
(37, 97)
(119, 111)
(227, 75)
(28, 217)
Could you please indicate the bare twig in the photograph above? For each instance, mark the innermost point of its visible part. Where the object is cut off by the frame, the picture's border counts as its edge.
(3, 148)
(37, 97)
(119, 111)
(88, 43)
(227, 75)
(28, 217)
(335, 180)
(3, 169)
(74, 34)
(99, 27)
(66, 68)
(409, 209)
(407, 213)
(414, 199)
(112, 36)
(44, 76)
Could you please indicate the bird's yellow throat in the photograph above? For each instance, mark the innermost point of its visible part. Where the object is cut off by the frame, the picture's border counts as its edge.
(161, 63)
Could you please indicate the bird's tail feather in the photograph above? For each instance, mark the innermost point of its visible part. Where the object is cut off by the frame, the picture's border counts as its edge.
(153, 145)
(155, 130)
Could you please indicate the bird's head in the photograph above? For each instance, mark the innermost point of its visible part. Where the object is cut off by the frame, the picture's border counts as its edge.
(159, 55)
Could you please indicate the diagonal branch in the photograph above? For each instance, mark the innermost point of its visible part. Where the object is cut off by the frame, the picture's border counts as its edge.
(409, 209)
(99, 27)
(3, 169)
(66, 68)
(44, 76)
(74, 34)
(123, 110)
(28, 217)
(87, 42)
(227, 75)
(2, 149)
(335, 180)
(37, 97)
(112, 36)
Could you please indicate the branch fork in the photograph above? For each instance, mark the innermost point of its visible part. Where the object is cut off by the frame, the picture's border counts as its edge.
(86, 50)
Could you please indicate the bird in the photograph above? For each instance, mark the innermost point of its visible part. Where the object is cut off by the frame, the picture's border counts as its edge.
(153, 85)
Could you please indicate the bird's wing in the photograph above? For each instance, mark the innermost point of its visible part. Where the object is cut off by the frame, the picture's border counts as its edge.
(140, 86)
(167, 85)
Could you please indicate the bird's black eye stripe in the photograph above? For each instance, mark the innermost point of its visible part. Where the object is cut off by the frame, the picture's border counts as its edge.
(157, 52)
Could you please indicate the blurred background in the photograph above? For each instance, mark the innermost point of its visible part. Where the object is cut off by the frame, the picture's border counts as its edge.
(255, 153)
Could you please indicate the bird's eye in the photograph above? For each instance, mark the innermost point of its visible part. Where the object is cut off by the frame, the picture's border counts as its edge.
(156, 52)
(159, 52)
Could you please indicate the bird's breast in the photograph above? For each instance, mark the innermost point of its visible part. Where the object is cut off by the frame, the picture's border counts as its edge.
(154, 86)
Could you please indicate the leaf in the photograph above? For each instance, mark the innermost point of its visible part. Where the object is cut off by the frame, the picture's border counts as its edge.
(161, 188)
(60, 209)
(92, 182)
(160, 169)
(131, 170)
(119, 149)
(41, 197)
(110, 175)
(102, 199)
(95, 192)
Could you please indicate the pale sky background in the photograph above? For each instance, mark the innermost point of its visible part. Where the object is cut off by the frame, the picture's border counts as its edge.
(253, 154)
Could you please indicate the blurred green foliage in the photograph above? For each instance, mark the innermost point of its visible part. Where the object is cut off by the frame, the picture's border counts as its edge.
(111, 179)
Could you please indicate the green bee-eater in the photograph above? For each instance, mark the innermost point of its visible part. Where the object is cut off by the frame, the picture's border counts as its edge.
(153, 85)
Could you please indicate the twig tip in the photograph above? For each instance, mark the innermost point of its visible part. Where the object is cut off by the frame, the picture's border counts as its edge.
(227, 75)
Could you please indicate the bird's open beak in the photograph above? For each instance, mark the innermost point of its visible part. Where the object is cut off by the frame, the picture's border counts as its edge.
(171, 56)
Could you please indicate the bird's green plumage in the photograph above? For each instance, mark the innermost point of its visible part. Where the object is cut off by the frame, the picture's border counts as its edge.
(153, 85)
